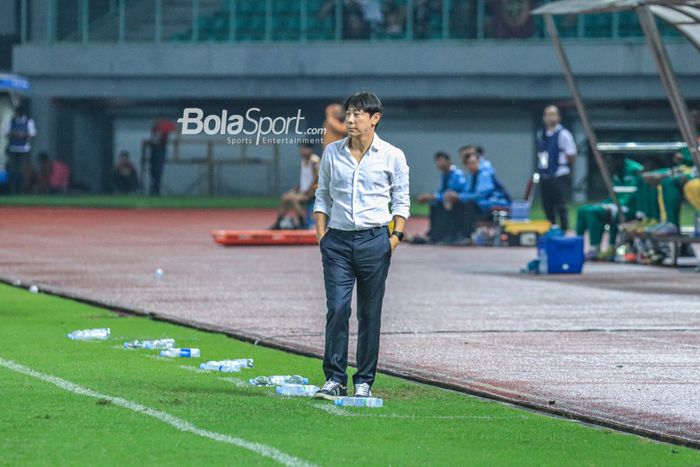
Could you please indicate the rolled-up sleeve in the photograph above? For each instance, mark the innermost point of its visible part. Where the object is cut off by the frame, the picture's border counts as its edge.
(323, 194)
(400, 196)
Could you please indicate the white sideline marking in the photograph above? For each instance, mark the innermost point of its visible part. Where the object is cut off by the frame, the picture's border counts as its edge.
(175, 422)
(340, 412)
(238, 382)
(193, 368)
(158, 357)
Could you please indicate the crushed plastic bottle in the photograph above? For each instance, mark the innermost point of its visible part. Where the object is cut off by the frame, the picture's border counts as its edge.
(242, 362)
(373, 402)
(225, 366)
(304, 390)
(278, 380)
(151, 344)
(185, 353)
(89, 334)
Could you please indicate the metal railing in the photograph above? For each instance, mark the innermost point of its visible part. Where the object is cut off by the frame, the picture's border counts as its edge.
(201, 153)
(87, 21)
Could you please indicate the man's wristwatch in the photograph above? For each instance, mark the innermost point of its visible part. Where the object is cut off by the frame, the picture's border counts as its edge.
(398, 235)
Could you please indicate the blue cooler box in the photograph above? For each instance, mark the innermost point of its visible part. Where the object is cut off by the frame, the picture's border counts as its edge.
(562, 255)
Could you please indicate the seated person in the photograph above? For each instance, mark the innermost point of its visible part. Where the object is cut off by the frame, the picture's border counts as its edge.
(44, 174)
(446, 216)
(647, 197)
(669, 183)
(593, 218)
(298, 197)
(691, 190)
(124, 177)
(482, 191)
(60, 177)
(484, 163)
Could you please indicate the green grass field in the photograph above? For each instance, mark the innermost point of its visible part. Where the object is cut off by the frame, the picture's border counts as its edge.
(238, 202)
(44, 421)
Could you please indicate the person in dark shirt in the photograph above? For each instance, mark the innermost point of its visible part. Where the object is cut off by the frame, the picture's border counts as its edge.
(159, 142)
(124, 177)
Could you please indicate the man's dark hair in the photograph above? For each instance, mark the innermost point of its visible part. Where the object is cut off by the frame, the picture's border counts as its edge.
(306, 144)
(441, 155)
(366, 101)
(21, 109)
(479, 150)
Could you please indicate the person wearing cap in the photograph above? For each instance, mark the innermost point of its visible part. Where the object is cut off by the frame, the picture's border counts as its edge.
(363, 185)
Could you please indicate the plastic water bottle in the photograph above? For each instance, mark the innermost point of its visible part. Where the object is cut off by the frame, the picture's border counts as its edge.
(90, 334)
(242, 362)
(152, 344)
(185, 353)
(278, 380)
(543, 266)
(373, 402)
(225, 366)
(304, 390)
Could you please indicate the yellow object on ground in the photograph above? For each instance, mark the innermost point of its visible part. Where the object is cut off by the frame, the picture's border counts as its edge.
(518, 227)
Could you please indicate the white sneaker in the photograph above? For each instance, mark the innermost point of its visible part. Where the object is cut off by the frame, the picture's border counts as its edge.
(362, 390)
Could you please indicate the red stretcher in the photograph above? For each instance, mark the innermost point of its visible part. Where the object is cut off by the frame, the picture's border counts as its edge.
(264, 237)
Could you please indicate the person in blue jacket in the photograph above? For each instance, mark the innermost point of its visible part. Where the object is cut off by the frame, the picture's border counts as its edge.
(446, 214)
(481, 191)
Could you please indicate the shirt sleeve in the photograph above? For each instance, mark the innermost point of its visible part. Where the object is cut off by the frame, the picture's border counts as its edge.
(31, 127)
(323, 193)
(566, 143)
(400, 196)
(483, 189)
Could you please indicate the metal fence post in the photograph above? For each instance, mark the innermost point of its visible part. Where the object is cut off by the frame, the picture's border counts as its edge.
(195, 20)
(158, 20)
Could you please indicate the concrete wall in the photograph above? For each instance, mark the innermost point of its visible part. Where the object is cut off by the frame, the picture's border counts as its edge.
(437, 95)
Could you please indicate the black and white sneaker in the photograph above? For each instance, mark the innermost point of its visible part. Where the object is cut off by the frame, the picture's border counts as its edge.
(363, 390)
(331, 390)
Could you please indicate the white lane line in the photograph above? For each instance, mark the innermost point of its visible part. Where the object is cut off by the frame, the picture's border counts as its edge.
(238, 382)
(340, 412)
(175, 422)
(193, 368)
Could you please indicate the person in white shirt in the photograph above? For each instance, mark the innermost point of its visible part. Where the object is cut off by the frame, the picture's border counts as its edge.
(556, 153)
(303, 194)
(362, 187)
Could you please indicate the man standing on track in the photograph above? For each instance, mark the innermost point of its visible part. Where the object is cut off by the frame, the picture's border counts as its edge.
(360, 176)
(20, 130)
(556, 153)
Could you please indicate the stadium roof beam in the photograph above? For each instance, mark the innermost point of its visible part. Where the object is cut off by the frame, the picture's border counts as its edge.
(682, 14)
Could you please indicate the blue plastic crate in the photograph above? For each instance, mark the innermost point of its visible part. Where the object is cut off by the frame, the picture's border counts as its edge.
(562, 255)
(520, 210)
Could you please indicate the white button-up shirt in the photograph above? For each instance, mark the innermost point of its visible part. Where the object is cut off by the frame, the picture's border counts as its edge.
(356, 195)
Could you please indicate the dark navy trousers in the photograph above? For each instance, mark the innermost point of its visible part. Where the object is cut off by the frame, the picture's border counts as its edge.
(361, 256)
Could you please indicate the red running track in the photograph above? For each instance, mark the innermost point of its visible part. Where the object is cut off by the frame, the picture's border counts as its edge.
(618, 345)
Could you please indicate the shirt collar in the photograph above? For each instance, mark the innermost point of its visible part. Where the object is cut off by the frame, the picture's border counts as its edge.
(374, 147)
(556, 128)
